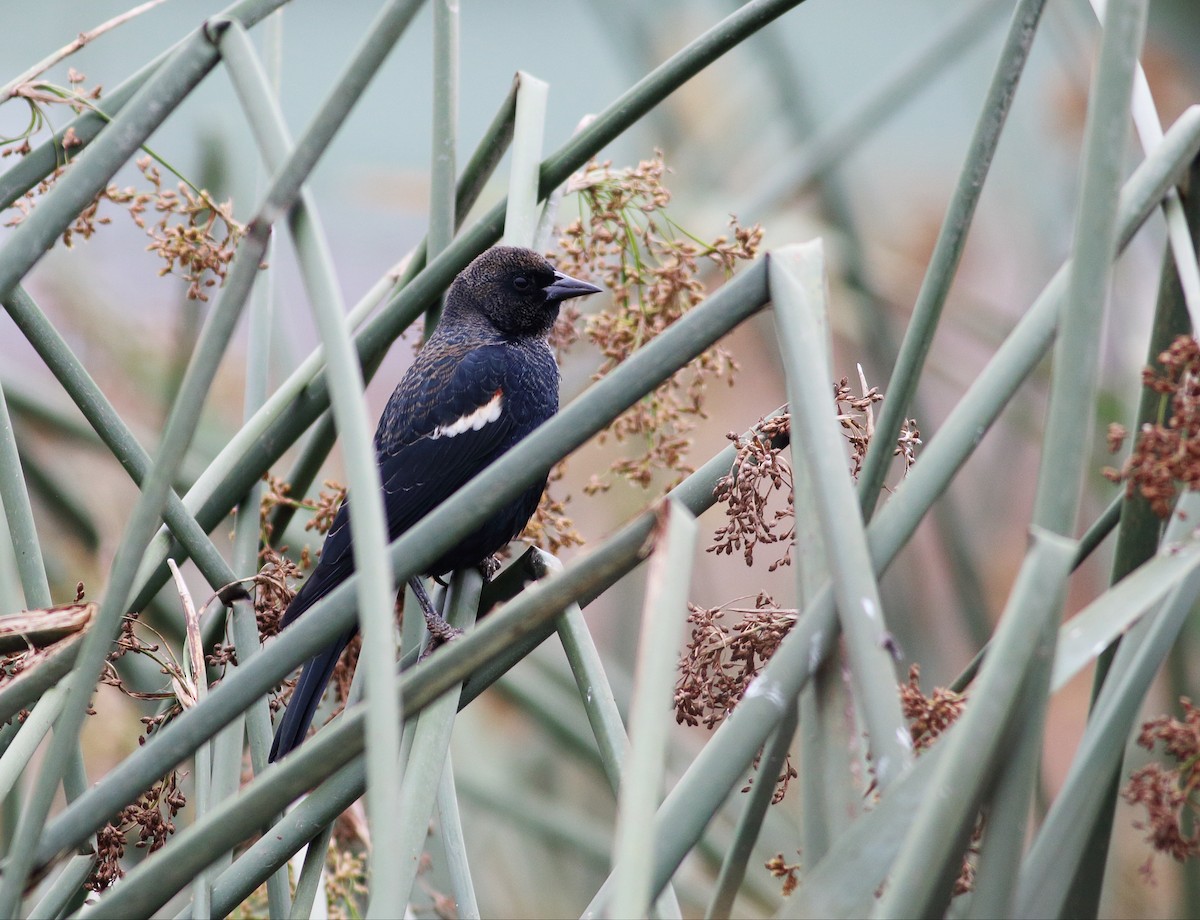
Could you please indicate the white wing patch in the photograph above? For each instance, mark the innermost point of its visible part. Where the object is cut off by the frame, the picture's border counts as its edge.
(472, 421)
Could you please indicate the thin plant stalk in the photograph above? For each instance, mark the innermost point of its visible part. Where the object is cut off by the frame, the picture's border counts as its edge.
(948, 249)
(595, 692)
(819, 742)
(375, 605)
(308, 885)
(11, 597)
(1053, 861)
(21, 527)
(925, 867)
(733, 869)
(1180, 235)
(799, 293)
(830, 146)
(41, 162)
(521, 214)
(196, 674)
(255, 725)
(1006, 815)
(66, 892)
(830, 760)
(427, 758)
(70, 372)
(1076, 354)
(8, 90)
(466, 907)
(368, 523)
(1106, 618)
(844, 883)
(650, 715)
(444, 132)
(21, 748)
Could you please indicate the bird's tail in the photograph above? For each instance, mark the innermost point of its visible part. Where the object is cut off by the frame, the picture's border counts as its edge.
(299, 714)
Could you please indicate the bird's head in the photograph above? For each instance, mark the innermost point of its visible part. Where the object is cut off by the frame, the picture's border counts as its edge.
(516, 290)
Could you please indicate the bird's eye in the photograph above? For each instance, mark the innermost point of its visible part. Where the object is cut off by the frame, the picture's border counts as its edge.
(522, 283)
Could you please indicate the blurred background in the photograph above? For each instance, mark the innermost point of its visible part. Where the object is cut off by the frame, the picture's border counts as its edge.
(847, 120)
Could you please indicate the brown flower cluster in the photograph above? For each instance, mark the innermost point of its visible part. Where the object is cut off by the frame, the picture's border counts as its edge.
(179, 690)
(720, 662)
(193, 235)
(151, 817)
(186, 236)
(39, 95)
(551, 528)
(721, 659)
(760, 471)
(345, 882)
(221, 655)
(1166, 454)
(789, 872)
(928, 716)
(857, 418)
(760, 478)
(782, 781)
(279, 492)
(653, 268)
(278, 572)
(1167, 794)
(275, 591)
(129, 642)
(329, 500)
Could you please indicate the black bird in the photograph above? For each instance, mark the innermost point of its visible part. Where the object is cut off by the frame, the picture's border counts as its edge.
(484, 380)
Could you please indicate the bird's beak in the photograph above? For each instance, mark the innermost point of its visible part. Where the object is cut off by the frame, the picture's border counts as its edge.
(566, 287)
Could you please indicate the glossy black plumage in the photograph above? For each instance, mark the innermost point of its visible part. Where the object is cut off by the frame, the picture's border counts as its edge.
(484, 380)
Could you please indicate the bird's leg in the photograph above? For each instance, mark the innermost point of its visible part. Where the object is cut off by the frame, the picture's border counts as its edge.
(439, 629)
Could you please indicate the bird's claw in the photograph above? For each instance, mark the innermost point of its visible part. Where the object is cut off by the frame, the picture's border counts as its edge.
(439, 629)
(489, 567)
(440, 632)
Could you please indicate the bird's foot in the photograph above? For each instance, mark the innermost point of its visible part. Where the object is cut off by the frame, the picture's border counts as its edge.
(440, 632)
(489, 567)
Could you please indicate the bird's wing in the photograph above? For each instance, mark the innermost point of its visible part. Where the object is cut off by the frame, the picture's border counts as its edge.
(446, 421)
(441, 430)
